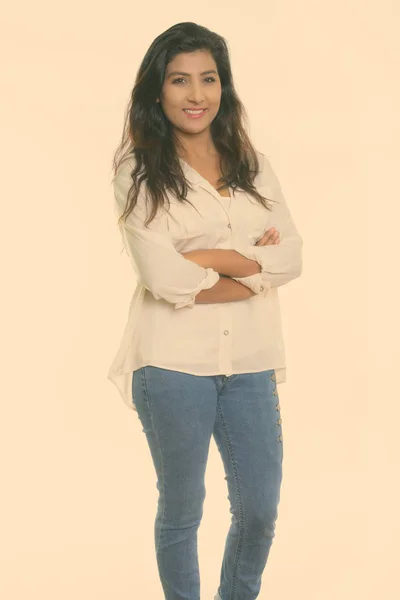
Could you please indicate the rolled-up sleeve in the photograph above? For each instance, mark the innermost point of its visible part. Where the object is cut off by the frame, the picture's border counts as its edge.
(157, 264)
(280, 263)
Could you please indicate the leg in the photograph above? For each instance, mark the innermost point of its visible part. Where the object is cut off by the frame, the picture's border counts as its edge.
(249, 437)
(177, 411)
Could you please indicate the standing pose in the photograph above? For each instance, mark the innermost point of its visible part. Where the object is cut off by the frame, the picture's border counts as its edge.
(211, 239)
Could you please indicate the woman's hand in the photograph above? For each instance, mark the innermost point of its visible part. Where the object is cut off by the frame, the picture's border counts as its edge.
(271, 236)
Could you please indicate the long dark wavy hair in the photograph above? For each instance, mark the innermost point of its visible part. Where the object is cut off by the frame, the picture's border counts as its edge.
(149, 137)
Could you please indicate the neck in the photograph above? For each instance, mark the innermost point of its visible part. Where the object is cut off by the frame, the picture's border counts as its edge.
(196, 146)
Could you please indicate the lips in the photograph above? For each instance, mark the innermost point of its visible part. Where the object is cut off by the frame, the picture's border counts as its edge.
(195, 115)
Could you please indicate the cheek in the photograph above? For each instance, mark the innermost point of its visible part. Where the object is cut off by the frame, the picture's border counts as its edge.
(172, 102)
(215, 101)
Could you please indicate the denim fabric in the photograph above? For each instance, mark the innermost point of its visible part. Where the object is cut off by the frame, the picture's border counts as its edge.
(179, 413)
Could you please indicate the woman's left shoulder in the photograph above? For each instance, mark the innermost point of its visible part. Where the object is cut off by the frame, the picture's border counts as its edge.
(266, 175)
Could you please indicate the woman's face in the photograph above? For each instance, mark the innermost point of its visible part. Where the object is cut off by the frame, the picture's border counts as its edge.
(191, 81)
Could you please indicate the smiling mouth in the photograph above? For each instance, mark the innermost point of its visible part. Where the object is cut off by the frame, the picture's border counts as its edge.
(194, 113)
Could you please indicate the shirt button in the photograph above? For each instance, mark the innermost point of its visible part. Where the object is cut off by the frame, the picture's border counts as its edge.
(226, 332)
(229, 225)
(261, 288)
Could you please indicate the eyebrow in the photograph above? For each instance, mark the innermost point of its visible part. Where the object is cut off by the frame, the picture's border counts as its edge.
(188, 74)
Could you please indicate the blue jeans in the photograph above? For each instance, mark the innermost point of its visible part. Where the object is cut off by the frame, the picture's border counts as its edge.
(179, 413)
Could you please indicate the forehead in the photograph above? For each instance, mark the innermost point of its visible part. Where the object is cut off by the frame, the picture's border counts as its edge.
(198, 60)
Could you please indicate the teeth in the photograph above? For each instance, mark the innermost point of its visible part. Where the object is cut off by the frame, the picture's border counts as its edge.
(193, 112)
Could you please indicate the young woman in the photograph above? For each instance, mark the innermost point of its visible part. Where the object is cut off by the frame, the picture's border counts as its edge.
(211, 239)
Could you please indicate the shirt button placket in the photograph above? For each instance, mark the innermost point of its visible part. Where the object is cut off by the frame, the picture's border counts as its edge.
(226, 341)
(225, 346)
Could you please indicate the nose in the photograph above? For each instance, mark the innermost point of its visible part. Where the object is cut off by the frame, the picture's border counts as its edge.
(195, 93)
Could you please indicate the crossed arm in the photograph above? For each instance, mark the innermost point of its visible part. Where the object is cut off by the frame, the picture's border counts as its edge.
(278, 264)
(226, 262)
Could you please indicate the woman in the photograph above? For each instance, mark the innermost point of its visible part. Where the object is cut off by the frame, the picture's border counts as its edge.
(202, 351)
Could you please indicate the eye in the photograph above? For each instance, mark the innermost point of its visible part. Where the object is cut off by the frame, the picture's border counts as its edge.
(182, 79)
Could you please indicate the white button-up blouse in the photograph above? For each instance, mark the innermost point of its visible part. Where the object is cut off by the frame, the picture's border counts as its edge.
(165, 327)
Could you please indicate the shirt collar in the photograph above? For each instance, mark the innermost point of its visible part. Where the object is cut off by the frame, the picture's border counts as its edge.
(191, 174)
(196, 179)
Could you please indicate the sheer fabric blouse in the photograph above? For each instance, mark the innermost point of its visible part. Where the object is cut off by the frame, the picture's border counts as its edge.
(165, 327)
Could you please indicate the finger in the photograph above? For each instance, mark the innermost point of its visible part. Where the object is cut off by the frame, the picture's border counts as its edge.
(271, 236)
(268, 238)
(264, 240)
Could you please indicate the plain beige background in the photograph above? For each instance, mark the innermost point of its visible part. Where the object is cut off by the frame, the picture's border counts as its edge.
(320, 84)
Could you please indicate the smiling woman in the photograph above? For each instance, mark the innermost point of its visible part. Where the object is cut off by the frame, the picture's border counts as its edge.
(192, 86)
(203, 350)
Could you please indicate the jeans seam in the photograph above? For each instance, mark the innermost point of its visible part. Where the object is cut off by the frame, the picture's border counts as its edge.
(161, 456)
(241, 515)
(278, 408)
